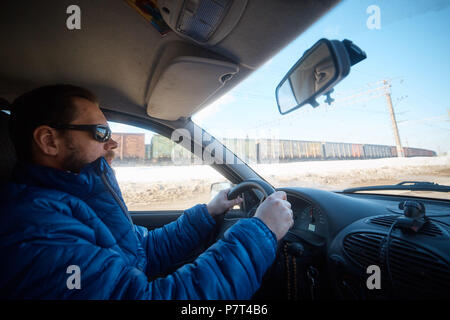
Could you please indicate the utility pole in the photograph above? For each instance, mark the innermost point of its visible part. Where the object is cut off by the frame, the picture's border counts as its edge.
(398, 143)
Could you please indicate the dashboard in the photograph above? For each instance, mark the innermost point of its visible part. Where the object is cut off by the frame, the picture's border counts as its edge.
(344, 246)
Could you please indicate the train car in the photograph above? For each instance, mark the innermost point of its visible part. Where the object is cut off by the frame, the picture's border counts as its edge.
(245, 149)
(369, 151)
(375, 151)
(285, 150)
(267, 150)
(148, 151)
(130, 146)
(416, 152)
(250, 149)
(315, 150)
(302, 150)
(294, 145)
(348, 151)
(393, 151)
(337, 151)
(329, 151)
(161, 148)
(357, 151)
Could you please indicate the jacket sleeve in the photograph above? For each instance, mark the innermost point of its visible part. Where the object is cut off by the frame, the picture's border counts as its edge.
(230, 269)
(170, 244)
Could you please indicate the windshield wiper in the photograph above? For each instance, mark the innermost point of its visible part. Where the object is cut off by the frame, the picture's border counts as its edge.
(405, 185)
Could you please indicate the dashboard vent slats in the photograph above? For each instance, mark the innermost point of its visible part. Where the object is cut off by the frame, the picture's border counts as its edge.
(363, 248)
(414, 269)
(429, 228)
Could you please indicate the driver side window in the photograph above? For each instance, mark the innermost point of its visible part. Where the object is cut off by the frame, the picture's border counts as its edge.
(152, 179)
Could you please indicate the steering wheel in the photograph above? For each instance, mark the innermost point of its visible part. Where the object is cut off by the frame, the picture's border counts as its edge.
(261, 185)
(258, 184)
(223, 223)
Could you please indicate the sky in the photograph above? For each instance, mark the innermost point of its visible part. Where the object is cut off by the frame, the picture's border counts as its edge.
(410, 49)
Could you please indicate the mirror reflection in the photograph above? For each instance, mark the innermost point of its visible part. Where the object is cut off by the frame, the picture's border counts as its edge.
(311, 75)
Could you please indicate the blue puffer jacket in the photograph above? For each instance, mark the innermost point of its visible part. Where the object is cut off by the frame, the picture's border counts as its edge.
(51, 219)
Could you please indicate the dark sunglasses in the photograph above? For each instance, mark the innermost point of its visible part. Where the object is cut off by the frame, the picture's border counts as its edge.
(101, 132)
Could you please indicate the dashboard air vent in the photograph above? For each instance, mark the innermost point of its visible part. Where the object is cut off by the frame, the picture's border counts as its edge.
(363, 248)
(429, 228)
(414, 270)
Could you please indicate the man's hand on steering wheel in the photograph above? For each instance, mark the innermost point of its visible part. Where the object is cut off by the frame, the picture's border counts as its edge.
(276, 213)
(220, 203)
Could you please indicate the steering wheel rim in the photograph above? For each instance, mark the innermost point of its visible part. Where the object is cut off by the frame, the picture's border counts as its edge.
(222, 224)
(265, 188)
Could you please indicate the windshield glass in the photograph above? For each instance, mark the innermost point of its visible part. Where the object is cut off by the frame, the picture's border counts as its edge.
(395, 101)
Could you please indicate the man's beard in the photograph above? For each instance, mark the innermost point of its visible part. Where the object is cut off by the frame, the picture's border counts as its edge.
(74, 161)
(109, 156)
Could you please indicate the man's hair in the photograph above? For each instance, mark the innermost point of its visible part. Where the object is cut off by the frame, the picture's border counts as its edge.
(48, 105)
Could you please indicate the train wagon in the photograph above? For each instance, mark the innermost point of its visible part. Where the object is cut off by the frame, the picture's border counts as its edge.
(267, 150)
(303, 149)
(300, 150)
(338, 151)
(416, 152)
(161, 149)
(130, 146)
(245, 149)
(357, 151)
(314, 150)
(374, 151)
(393, 151)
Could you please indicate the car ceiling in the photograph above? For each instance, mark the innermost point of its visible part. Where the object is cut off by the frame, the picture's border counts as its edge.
(122, 58)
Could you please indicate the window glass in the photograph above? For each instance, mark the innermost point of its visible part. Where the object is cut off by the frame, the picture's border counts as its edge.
(151, 175)
(387, 122)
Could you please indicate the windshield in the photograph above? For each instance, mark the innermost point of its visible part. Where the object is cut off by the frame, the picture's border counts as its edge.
(395, 102)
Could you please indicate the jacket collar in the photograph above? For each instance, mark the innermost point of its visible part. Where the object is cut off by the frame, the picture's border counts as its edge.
(80, 184)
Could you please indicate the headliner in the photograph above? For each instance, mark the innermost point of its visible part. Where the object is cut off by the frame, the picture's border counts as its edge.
(116, 53)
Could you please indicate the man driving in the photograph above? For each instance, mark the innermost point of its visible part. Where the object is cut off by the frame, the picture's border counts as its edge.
(63, 212)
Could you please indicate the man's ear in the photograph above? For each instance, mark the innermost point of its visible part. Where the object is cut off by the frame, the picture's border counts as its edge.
(46, 140)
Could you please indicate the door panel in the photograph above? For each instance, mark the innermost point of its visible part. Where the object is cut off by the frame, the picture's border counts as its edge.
(154, 219)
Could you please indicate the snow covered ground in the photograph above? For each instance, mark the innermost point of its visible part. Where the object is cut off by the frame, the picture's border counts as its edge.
(178, 187)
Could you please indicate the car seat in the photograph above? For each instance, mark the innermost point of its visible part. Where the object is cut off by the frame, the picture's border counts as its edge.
(8, 157)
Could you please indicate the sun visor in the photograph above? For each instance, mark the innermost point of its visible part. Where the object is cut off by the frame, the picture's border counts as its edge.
(185, 84)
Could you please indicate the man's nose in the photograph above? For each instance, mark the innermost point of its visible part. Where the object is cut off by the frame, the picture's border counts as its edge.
(111, 144)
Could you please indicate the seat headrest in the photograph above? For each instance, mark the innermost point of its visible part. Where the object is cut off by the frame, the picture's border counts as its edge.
(4, 104)
(8, 156)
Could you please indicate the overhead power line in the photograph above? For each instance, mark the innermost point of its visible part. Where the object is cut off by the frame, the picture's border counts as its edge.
(376, 89)
(354, 97)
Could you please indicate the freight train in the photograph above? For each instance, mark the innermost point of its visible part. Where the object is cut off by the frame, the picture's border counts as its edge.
(132, 147)
(266, 151)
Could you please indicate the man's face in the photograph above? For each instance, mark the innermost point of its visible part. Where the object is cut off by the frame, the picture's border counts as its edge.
(79, 147)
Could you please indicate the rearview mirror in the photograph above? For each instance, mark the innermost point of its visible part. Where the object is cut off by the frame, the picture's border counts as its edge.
(319, 69)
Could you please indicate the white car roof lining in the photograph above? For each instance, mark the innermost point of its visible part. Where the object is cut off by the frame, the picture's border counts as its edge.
(119, 56)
